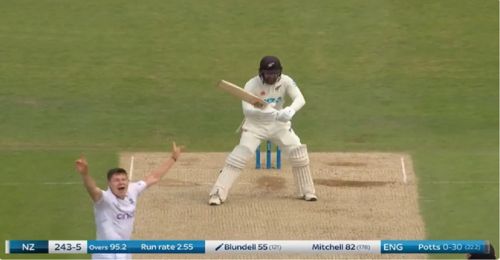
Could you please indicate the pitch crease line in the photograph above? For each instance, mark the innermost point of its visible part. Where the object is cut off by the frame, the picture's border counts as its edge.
(403, 170)
(131, 170)
(38, 183)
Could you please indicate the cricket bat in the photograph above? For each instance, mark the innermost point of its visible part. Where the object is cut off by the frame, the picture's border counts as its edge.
(241, 94)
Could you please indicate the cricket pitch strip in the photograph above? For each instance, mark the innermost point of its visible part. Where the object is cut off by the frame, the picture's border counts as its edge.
(362, 196)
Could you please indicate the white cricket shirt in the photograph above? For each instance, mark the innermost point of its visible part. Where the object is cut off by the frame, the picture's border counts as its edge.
(114, 217)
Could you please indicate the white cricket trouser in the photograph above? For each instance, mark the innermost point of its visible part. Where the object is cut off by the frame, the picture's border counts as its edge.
(278, 133)
(252, 135)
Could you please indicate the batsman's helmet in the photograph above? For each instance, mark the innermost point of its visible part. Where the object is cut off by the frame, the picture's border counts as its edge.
(270, 64)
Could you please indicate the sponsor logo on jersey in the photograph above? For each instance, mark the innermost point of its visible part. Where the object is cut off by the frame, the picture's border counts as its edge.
(273, 100)
(124, 215)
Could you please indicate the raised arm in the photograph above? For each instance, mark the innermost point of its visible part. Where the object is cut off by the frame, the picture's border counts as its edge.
(156, 175)
(83, 168)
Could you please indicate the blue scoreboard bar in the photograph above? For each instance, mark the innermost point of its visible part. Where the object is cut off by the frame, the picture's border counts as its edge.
(246, 246)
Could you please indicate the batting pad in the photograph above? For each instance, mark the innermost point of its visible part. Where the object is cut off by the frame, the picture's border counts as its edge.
(363, 196)
(225, 181)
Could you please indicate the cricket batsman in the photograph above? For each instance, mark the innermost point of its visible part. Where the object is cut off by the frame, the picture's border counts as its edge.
(272, 122)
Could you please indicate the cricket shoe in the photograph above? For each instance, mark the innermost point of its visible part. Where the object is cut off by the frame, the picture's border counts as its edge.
(310, 197)
(214, 200)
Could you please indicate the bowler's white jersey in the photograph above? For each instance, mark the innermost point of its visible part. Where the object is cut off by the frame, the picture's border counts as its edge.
(114, 217)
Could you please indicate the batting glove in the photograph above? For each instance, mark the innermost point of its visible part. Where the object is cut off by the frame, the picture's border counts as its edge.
(268, 114)
(285, 114)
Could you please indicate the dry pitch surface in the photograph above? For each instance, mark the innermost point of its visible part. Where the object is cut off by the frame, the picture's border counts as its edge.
(362, 196)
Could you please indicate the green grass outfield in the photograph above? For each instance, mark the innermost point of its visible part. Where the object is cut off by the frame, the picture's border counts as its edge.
(100, 77)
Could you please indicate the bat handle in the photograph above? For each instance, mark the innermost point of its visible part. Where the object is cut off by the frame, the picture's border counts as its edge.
(259, 104)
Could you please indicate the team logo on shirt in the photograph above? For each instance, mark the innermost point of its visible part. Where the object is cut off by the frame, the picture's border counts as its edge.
(262, 93)
(131, 200)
